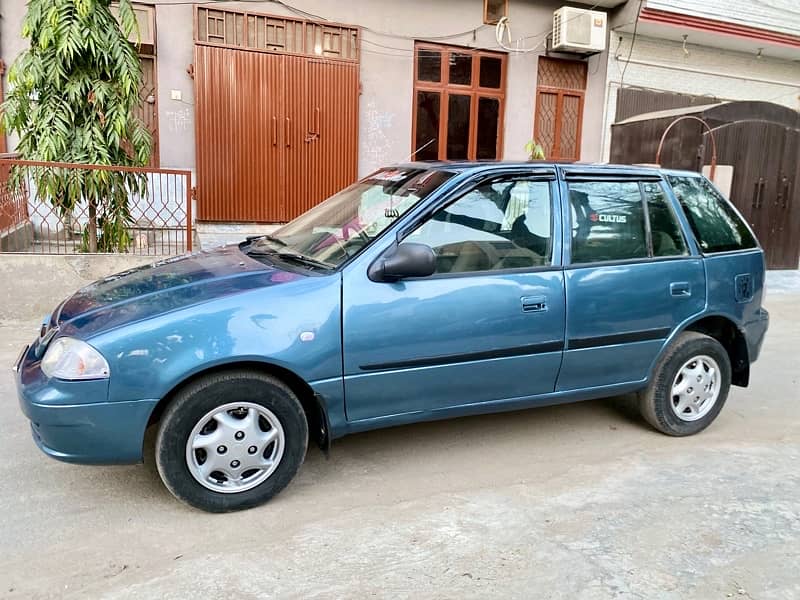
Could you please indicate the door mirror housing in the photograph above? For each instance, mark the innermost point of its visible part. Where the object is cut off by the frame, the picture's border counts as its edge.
(409, 259)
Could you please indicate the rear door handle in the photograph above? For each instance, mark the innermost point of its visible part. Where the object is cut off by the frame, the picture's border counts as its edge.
(680, 288)
(534, 304)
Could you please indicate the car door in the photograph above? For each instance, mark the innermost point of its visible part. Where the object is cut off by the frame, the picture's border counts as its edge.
(632, 278)
(486, 327)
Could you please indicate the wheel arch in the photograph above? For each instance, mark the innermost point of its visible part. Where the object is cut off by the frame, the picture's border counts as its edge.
(312, 403)
(730, 336)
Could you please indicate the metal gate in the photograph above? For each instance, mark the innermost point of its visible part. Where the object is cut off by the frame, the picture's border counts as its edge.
(276, 114)
(632, 101)
(764, 187)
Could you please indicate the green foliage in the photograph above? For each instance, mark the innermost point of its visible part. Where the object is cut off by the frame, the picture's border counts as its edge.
(534, 150)
(72, 99)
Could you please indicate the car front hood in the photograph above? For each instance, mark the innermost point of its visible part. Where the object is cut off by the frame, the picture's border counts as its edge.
(164, 286)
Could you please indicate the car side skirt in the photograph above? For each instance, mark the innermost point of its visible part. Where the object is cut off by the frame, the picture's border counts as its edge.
(341, 429)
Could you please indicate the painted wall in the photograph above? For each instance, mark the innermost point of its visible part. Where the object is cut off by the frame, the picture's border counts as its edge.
(11, 44)
(386, 68)
(664, 65)
(175, 52)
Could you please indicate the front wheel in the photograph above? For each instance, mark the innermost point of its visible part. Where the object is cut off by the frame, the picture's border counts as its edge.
(231, 441)
(689, 386)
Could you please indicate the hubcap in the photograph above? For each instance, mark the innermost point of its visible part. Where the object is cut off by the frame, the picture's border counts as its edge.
(696, 388)
(235, 447)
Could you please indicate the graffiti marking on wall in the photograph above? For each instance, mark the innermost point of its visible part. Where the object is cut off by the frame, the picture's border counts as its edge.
(179, 120)
(379, 141)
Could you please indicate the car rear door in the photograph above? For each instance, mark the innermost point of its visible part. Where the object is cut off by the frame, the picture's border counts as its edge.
(631, 277)
(488, 326)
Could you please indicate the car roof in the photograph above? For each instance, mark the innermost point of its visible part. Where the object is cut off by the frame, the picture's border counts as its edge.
(567, 166)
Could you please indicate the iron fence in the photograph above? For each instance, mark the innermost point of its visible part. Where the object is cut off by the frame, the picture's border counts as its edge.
(159, 204)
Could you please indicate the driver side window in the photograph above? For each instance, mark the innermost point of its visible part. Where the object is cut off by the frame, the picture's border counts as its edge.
(500, 224)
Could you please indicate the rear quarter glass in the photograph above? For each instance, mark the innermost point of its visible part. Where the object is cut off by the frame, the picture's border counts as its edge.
(716, 224)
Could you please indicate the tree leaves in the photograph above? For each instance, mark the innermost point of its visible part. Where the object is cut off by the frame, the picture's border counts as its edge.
(72, 99)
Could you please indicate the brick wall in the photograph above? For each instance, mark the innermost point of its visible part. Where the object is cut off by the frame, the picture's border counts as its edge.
(663, 65)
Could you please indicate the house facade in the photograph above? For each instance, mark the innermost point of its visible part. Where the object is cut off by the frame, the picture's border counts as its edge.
(274, 106)
(692, 52)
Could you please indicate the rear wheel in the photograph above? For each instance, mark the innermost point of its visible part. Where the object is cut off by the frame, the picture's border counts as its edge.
(689, 386)
(231, 441)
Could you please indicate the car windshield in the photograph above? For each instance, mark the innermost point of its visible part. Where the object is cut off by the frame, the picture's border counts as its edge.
(341, 226)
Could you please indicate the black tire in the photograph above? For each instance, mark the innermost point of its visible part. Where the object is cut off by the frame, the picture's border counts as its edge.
(655, 402)
(202, 396)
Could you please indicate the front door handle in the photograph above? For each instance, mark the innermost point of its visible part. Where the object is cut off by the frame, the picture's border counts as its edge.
(534, 304)
(680, 288)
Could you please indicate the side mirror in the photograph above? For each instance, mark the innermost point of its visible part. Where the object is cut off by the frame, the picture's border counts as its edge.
(406, 260)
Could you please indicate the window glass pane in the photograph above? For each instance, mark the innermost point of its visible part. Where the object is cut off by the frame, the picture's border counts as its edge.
(458, 107)
(607, 221)
(714, 222)
(341, 226)
(664, 228)
(426, 141)
(429, 65)
(488, 116)
(491, 71)
(504, 224)
(460, 68)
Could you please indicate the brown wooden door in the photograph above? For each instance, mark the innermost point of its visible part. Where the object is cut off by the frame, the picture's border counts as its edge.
(560, 91)
(147, 109)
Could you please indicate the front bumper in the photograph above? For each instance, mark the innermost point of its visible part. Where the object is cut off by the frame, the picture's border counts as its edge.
(73, 421)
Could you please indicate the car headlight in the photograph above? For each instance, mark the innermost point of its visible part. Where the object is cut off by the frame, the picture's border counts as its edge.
(68, 358)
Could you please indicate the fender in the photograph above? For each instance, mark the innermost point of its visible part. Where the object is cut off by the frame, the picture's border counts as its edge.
(740, 366)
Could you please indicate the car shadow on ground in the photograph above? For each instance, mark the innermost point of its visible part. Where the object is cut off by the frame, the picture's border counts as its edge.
(359, 455)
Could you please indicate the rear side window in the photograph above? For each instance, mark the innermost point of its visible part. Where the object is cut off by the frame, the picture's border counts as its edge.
(664, 228)
(608, 221)
(714, 222)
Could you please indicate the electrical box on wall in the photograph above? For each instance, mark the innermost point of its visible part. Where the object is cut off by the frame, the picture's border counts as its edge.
(579, 30)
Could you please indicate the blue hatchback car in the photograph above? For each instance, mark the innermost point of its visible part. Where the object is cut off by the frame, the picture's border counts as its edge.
(424, 291)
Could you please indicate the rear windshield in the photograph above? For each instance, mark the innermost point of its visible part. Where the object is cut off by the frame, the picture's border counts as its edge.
(717, 227)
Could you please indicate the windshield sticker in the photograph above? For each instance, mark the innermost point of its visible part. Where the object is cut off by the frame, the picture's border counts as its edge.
(389, 175)
(595, 217)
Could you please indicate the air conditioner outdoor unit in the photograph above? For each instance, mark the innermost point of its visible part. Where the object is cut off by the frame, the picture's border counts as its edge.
(579, 30)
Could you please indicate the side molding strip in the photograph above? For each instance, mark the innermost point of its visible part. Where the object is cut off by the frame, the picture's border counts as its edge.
(429, 361)
(619, 338)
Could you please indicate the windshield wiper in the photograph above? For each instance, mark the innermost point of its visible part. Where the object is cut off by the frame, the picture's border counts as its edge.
(307, 260)
(292, 256)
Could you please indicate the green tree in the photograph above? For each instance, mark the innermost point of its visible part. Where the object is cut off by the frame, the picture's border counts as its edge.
(72, 99)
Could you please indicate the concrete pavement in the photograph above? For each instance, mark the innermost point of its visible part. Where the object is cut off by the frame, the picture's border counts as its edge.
(580, 501)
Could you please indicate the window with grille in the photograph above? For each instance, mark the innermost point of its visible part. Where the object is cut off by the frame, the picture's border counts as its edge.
(560, 91)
